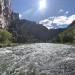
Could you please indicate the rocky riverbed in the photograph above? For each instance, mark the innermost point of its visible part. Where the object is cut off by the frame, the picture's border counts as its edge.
(38, 59)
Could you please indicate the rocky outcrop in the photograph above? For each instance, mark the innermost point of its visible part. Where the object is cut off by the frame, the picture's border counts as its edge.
(5, 13)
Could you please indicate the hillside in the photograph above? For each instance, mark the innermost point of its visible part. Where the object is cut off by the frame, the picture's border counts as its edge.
(53, 34)
(29, 31)
(68, 35)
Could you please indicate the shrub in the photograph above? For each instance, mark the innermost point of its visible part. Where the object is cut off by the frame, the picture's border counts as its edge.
(65, 38)
(68, 38)
(5, 37)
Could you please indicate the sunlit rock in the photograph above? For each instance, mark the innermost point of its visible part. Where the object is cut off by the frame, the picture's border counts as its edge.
(5, 13)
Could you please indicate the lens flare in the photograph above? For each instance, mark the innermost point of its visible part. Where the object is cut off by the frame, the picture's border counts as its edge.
(42, 4)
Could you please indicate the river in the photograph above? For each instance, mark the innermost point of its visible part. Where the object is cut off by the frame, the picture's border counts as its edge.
(38, 59)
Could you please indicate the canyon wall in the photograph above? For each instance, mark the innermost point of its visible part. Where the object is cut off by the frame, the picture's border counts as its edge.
(5, 13)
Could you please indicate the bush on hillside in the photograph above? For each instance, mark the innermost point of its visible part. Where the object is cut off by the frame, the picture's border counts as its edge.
(65, 38)
(5, 37)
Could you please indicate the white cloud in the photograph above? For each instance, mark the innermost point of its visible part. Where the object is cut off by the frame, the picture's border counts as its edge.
(47, 23)
(63, 11)
(67, 12)
(70, 19)
(58, 21)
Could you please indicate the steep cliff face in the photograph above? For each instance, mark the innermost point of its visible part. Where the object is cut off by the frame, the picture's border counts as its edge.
(5, 13)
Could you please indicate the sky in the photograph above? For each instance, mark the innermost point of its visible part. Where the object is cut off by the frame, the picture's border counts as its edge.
(46, 11)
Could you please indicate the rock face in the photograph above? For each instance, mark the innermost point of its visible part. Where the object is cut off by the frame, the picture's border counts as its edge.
(5, 13)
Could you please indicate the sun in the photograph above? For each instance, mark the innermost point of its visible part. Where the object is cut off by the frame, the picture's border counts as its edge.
(42, 4)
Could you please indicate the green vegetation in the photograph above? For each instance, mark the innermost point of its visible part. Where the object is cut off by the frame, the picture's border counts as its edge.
(68, 35)
(5, 38)
(65, 38)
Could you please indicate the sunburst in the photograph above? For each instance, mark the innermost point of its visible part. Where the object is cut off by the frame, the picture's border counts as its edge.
(42, 4)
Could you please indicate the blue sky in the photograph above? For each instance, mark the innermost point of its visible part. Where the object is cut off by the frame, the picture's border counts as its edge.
(29, 9)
